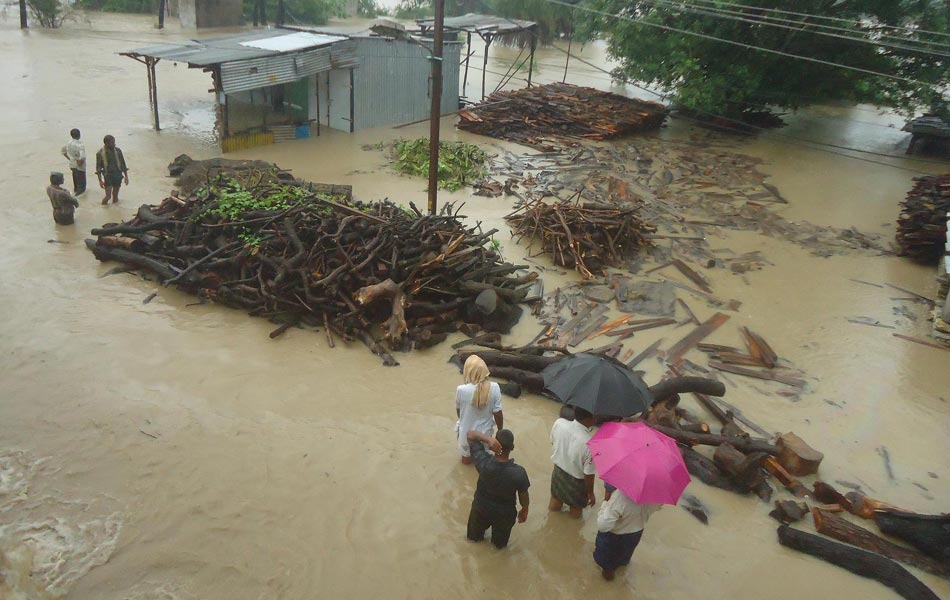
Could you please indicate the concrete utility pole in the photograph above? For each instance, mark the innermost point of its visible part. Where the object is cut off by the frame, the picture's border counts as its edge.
(23, 23)
(436, 112)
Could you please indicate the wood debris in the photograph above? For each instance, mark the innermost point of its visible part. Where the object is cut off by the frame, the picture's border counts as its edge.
(532, 116)
(922, 224)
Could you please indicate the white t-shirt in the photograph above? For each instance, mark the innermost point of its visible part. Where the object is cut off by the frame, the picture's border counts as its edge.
(479, 419)
(622, 515)
(76, 154)
(571, 454)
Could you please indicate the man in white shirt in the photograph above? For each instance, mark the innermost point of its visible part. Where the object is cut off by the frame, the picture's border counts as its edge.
(620, 524)
(75, 153)
(572, 481)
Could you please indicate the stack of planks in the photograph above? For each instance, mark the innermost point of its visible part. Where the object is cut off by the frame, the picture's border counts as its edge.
(759, 362)
(922, 224)
(529, 115)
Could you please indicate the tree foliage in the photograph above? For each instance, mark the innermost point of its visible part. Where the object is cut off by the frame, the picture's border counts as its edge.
(711, 76)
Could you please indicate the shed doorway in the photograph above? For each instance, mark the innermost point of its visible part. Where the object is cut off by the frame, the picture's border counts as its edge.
(334, 99)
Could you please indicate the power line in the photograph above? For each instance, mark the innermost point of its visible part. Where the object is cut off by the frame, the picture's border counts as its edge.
(826, 17)
(805, 23)
(742, 44)
(721, 14)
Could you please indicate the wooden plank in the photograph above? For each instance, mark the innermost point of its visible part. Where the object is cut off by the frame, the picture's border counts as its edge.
(650, 350)
(585, 332)
(648, 324)
(613, 325)
(716, 348)
(914, 294)
(767, 375)
(692, 275)
(919, 341)
(736, 358)
(689, 312)
(759, 348)
(680, 348)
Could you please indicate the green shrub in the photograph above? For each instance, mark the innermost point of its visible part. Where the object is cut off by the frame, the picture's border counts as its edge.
(460, 164)
(121, 6)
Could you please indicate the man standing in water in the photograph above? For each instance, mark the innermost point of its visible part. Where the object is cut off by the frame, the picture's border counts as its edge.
(572, 481)
(499, 479)
(75, 153)
(111, 169)
(63, 202)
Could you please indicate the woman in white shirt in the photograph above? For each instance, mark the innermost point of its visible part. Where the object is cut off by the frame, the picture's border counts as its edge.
(477, 405)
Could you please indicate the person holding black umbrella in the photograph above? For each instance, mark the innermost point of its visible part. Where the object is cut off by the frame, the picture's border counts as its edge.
(572, 480)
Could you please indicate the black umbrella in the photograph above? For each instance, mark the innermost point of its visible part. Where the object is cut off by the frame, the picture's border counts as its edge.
(599, 385)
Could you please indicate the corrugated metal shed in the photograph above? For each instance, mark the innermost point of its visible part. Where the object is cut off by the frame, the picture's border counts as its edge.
(216, 51)
(392, 84)
(473, 23)
(239, 76)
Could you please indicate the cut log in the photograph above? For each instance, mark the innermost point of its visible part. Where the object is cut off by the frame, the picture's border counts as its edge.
(684, 385)
(796, 456)
(706, 471)
(744, 470)
(928, 533)
(788, 511)
(518, 360)
(844, 531)
(532, 382)
(859, 562)
(785, 478)
(710, 439)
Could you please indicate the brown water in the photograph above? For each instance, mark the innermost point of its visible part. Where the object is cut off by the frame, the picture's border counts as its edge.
(174, 451)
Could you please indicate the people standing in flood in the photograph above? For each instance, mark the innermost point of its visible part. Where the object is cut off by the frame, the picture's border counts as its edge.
(63, 202)
(499, 481)
(111, 169)
(477, 404)
(620, 525)
(75, 153)
(572, 480)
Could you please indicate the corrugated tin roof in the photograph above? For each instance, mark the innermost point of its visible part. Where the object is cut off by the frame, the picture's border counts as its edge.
(481, 23)
(257, 44)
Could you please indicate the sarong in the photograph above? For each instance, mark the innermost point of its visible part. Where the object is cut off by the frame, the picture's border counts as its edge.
(568, 489)
(612, 550)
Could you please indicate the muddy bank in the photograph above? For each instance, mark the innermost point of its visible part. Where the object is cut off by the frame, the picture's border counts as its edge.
(172, 451)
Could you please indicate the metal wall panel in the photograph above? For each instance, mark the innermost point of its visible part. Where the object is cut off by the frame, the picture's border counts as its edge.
(239, 76)
(391, 85)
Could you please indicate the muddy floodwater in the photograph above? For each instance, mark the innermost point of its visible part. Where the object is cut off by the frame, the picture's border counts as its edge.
(173, 451)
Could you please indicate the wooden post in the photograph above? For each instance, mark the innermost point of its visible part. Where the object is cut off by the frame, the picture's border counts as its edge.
(468, 57)
(488, 39)
(280, 12)
(570, 40)
(531, 59)
(161, 14)
(436, 111)
(23, 23)
(153, 90)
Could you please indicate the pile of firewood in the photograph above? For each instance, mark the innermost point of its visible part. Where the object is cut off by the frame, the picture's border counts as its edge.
(530, 115)
(922, 224)
(389, 276)
(584, 236)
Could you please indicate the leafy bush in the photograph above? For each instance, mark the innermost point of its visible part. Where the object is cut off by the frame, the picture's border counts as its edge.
(48, 13)
(121, 6)
(460, 164)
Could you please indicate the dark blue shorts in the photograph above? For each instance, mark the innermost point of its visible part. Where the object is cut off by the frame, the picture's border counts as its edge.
(612, 550)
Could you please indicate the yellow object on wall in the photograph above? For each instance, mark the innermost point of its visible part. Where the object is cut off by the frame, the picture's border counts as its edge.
(243, 141)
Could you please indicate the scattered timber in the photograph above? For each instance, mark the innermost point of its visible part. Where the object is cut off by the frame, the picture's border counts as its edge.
(928, 533)
(860, 562)
(838, 528)
(585, 236)
(533, 115)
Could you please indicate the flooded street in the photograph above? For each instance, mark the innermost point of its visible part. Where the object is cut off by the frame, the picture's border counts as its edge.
(172, 451)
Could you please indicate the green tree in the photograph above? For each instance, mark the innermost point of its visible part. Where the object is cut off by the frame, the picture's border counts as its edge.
(715, 77)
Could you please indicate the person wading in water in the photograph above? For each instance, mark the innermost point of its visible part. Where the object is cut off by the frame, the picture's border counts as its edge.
(499, 480)
(572, 481)
(111, 169)
(63, 202)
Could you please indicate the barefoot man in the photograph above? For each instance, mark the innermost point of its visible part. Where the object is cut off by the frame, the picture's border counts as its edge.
(111, 169)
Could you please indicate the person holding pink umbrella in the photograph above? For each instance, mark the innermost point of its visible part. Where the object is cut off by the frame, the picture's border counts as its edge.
(647, 470)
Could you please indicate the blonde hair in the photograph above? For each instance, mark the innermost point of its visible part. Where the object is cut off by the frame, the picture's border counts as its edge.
(476, 371)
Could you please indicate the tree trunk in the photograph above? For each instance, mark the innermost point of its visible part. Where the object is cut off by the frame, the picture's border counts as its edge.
(683, 385)
(710, 439)
(928, 533)
(845, 531)
(706, 471)
(517, 360)
(859, 562)
(532, 382)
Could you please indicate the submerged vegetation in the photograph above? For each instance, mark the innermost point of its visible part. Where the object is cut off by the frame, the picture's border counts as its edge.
(460, 164)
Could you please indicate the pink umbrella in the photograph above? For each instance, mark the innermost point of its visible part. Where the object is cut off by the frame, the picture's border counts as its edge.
(639, 461)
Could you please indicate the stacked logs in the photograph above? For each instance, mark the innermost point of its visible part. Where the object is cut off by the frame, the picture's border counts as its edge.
(528, 116)
(585, 236)
(391, 278)
(922, 224)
